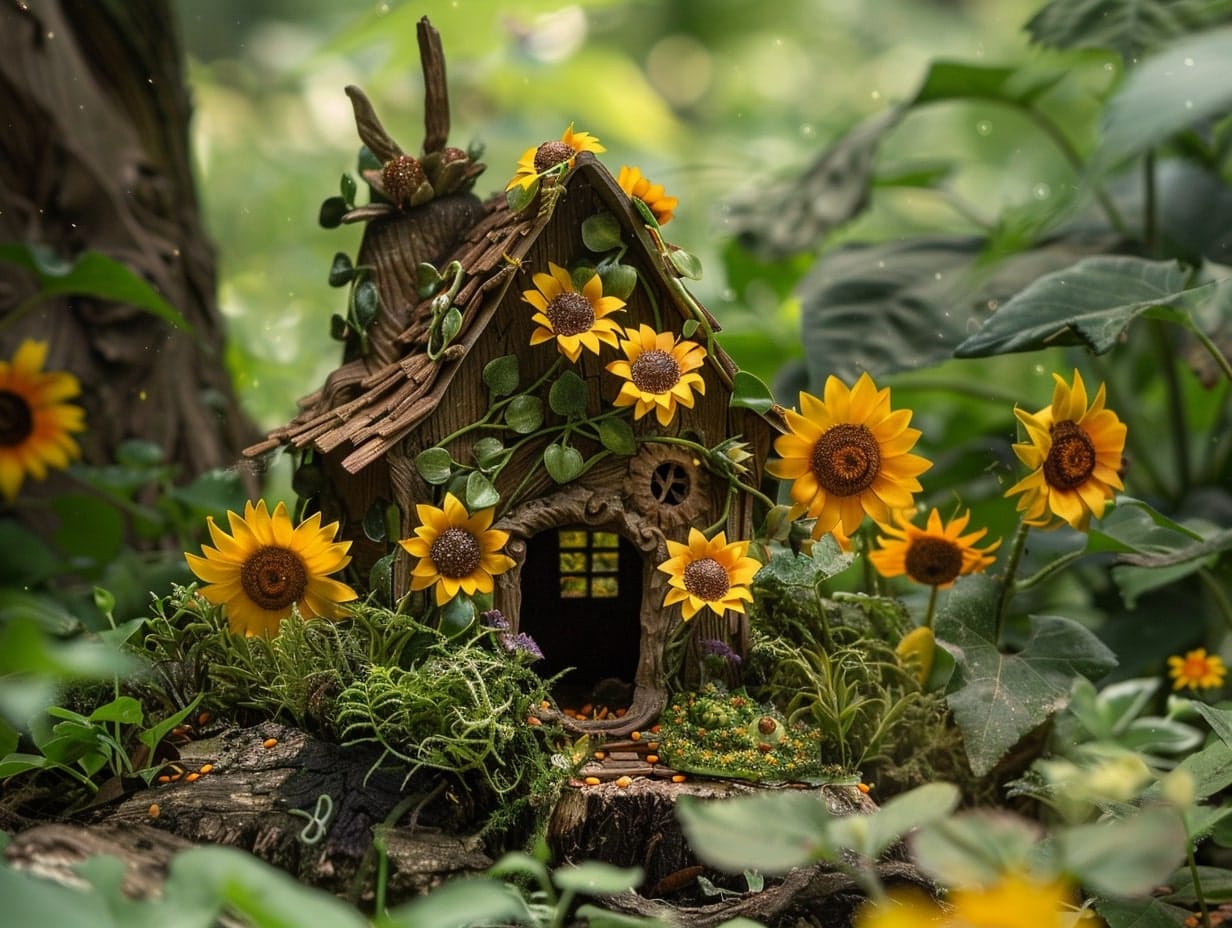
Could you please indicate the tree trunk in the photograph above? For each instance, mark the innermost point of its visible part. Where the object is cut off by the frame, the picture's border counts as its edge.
(94, 156)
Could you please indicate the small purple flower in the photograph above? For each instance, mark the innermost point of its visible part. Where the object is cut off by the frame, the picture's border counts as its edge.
(494, 618)
(521, 643)
(713, 647)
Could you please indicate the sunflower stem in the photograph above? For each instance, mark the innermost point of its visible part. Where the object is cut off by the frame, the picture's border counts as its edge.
(1222, 603)
(1048, 570)
(1007, 584)
(1176, 403)
(1220, 358)
(1197, 882)
(930, 615)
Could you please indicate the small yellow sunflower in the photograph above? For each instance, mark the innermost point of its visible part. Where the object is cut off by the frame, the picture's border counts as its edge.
(35, 420)
(847, 455)
(659, 372)
(1074, 454)
(535, 161)
(654, 196)
(1196, 670)
(1015, 901)
(709, 573)
(935, 555)
(909, 908)
(264, 567)
(576, 319)
(456, 551)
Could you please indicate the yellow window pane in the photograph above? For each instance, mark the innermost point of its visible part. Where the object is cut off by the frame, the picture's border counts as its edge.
(605, 540)
(605, 562)
(604, 588)
(573, 562)
(572, 539)
(573, 587)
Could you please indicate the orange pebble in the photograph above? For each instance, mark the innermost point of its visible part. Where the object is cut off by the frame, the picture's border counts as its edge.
(164, 779)
(545, 705)
(533, 720)
(155, 811)
(206, 768)
(269, 743)
(599, 755)
(652, 746)
(592, 781)
(652, 758)
(203, 718)
(678, 778)
(620, 713)
(602, 713)
(636, 735)
(624, 782)
(585, 710)
(175, 777)
(655, 728)
(192, 777)
(863, 787)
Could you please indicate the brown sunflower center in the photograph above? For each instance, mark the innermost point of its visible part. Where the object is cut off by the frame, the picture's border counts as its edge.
(16, 419)
(550, 154)
(1071, 460)
(933, 561)
(707, 579)
(654, 371)
(846, 459)
(456, 553)
(570, 314)
(274, 577)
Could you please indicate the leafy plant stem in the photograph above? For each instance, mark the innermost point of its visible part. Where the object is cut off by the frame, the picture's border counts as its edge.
(1197, 883)
(1222, 603)
(1048, 570)
(1071, 154)
(932, 608)
(1007, 584)
(1150, 230)
(1176, 404)
(1220, 358)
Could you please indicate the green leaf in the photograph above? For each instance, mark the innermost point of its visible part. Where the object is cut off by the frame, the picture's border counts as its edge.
(91, 274)
(332, 211)
(749, 392)
(1126, 857)
(569, 395)
(427, 279)
(1220, 720)
(956, 80)
(595, 878)
(90, 528)
(339, 328)
(1210, 769)
(367, 302)
(1000, 697)
(1128, 27)
(341, 271)
(601, 232)
(524, 414)
(26, 559)
(17, 762)
(974, 848)
(787, 568)
(347, 187)
(501, 375)
(457, 615)
(870, 835)
(450, 324)
(480, 493)
(487, 452)
(461, 904)
(1090, 304)
(435, 465)
(618, 280)
(1186, 83)
(594, 916)
(124, 709)
(562, 463)
(767, 832)
(1137, 527)
(518, 197)
(155, 733)
(617, 436)
(1215, 884)
(375, 525)
(686, 264)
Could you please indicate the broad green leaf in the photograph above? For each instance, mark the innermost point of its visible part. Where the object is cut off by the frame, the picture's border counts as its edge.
(451, 324)
(601, 232)
(1126, 857)
(617, 436)
(518, 197)
(1220, 720)
(999, 697)
(501, 375)
(32, 900)
(957, 80)
(767, 832)
(26, 559)
(331, 212)
(870, 835)
(1128, 27)
(787, 568)
(124, 709)
(367, 302)
(1140, 913)
(375, 524)
(1186, 83)
(1090, 303)
(524, 414)
(17, 762)
(487, 451)
(618, 279)
(594, 916)
(1214, 882)
(686, 264)
(461, 903)
(1210, 769)
(1136, 527)
(91, 274)
(155, 733)
(569, 395)
(975, 848)
(457, 615)
(563, 463)
(595, 878)
(348, 188)
(480, 493)
(907, 304)
(341, 271)
(749, 392)
(427, 279)
(435, 465)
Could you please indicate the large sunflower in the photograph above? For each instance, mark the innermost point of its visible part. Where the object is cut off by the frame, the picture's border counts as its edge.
(456, 551)
(708, 573)
(577, 319)
(654, 196)
(35, 422)
(1074, 453)
(936, 555)
(264, 567)
(847, 455)
(542, 158)
(659, 372)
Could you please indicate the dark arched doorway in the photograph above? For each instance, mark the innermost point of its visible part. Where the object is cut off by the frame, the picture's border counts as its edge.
(581, 602)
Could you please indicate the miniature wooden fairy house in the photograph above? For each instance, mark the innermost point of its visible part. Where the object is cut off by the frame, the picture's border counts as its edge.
(456, 388)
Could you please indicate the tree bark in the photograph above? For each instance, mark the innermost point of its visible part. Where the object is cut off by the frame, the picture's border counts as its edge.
(95, 156)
